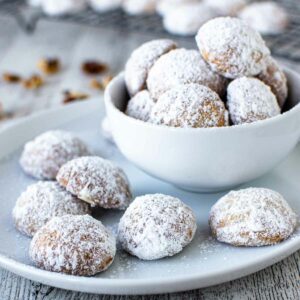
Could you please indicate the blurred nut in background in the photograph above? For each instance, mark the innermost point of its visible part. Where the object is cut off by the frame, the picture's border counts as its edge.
(93, 67)
(106, 80)
(33, 82)
(11, 77)
(96, 84)
(71, 96)
(49, 65)
(100, 84)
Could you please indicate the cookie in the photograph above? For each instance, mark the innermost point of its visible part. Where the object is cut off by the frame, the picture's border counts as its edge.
(75, 245)
(96, 181)
(252, 217)
(140, 106)
(266, 17)
(232, 48)
(41, 202)
(186, 19)
(182, 66)
(189, 106)
(156, 226)
(250, 100)
(274, 77)
(141, 61)
(43, 156)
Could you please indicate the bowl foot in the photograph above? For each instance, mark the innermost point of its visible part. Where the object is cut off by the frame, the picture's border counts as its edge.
(203, 190)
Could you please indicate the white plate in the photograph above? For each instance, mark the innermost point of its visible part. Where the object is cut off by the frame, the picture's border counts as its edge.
(205, 262)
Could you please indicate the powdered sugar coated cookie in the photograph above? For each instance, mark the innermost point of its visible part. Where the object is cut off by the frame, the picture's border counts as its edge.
(43, 156)
(76, 245)
(232, 48)
(190, 105)
(182, 66)
(250, 100)
(252, 217)
(41, 202)
(96, 181)
(156, 226)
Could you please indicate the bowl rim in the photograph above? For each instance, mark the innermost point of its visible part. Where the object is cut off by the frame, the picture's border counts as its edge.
(233, 128)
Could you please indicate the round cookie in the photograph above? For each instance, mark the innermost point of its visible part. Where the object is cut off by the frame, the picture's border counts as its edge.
(190, 106)
(61, 7)
(265, 17)
(96, 181)
(274, 77)
(252, 217)
(182, 66)
(41, 202)
(140, 106)
(250, 100)
(140, 62)
(232, 48)
(104, 5)
(75, 245)
(226, 7)
(43, 156)
(139, 7)
(186, 19)
(165, 6)
(156, 226)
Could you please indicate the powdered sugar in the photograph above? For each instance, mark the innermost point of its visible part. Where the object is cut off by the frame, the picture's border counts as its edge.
(165, 6)
(266, 17)
(274, 77)
(141, 60)
(55, 8)
(77, 245)
(226, 7)
(186, 19)
(156, 226)
(232, 48)
(104, 5)
(43, 156)
(252, 217)
(189, 105)
(96, 181)
(182, 66)
(43, 201)
(140, 106)
(137, 7)
(250, 100)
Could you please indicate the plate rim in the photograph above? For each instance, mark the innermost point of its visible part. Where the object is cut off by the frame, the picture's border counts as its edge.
(129, 286)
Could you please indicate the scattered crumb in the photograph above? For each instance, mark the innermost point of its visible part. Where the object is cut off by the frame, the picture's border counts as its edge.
(94, 67)
(11, 77)
(96, 84)
(33, 82)
(71, 96)
(106, 80)
(100, 84)
(49, 65)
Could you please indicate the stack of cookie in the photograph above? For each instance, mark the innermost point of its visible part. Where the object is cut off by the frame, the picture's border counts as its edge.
(57, 213)
(230, 80)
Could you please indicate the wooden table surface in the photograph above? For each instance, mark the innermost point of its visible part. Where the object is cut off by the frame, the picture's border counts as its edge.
(72, 44)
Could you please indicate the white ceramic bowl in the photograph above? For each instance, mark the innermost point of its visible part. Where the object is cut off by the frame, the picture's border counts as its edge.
(204, 159)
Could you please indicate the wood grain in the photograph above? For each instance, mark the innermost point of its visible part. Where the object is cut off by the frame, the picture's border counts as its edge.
(73, 44)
